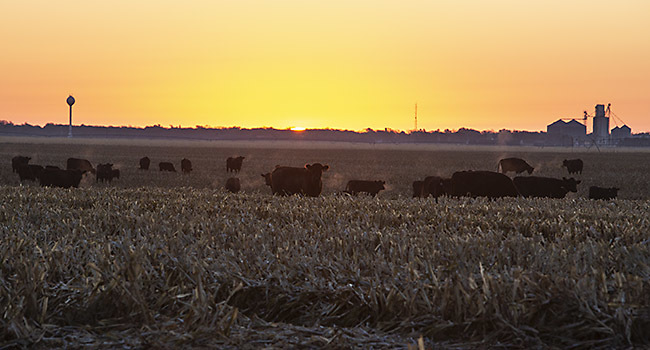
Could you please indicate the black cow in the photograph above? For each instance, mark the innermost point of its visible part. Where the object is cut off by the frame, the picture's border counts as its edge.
(234, 164)
(61, 178)
(144, 163)
(370, 187)
(166, 166)
(233, 185)
(596, 192)
(517, 165)
(186, 166)
(482, 184)
(29, 172)
(290, 180)
(417, 188)
(267, 179)
(435, 186)
(537, 186)
(104, 172)
(79, 164)
(17, 161)
(574, 166)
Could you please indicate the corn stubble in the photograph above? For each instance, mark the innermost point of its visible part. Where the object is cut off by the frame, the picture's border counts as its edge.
(106, 267)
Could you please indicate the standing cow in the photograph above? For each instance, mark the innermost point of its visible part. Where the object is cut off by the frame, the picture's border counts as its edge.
(548, 187)
(79, 164)
(370, 187)
(517, 165)
(306, 181)
(234, 164)
(104, 172)
(574, 166)
(60, 178)
(17, 161)
(166, 166)
(29, 172)
(482, 184)
(233, 185)
(596, 192)
(144, 163)
(186, 166)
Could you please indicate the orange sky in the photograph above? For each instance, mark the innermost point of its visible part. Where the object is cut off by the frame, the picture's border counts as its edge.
(349, 64)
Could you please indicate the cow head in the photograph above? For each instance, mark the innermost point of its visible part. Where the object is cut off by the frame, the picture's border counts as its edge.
(317, 168)
(571, 184)
(267, 179)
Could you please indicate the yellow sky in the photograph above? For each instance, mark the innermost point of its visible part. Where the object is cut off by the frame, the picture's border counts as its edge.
(349, 64)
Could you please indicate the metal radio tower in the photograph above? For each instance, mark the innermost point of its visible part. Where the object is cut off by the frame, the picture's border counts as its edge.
(416, 116)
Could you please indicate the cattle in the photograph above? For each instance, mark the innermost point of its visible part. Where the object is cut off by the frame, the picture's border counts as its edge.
(234, 164)
(186, 166)
(290, 180)
(17, 161)
(233, 185)
(482, 184)
(596, 192)
(29, 172)
(105, 172)
(166, 166)
(574, 166)
(417, 188)
(267, 179)
(79, 164)
(435, 186)
(370, 187)
(548, 187)
(517, 165)
(144, 163)
(61, 178)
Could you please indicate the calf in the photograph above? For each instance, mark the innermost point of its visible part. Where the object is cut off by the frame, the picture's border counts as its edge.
(370, 187)
(596, 192)
(233, 185)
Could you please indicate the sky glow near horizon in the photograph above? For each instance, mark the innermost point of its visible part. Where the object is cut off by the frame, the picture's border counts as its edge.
(353, 64)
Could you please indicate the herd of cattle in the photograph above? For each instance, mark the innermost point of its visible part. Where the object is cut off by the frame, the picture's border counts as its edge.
(284, 180)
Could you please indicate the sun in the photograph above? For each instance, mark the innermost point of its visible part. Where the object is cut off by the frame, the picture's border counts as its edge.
(298, 128)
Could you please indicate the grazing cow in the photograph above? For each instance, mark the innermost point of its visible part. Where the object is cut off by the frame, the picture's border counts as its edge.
(370, 187)
(115, 173)
(517, 165)
(267, 179)
(417, 188)
(17, 161)
(104, 172)
(233, 185)
(79, 164)
(144, 163)
(166, 166)
(61, 178)
(290, 180)
(29, 172)
(548, 187)
(435, 186)
(574, 166)
(482, 184)
(596, 192)
(186, 166)
(234, 164)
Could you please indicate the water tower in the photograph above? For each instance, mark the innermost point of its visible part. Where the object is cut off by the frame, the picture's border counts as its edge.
(70, 102)
(601, 124)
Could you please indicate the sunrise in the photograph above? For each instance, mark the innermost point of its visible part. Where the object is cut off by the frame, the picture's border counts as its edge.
(341, 174)
(337, 64)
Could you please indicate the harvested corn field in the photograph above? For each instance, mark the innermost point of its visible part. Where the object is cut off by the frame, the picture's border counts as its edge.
(163, 260)
(164, 267)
